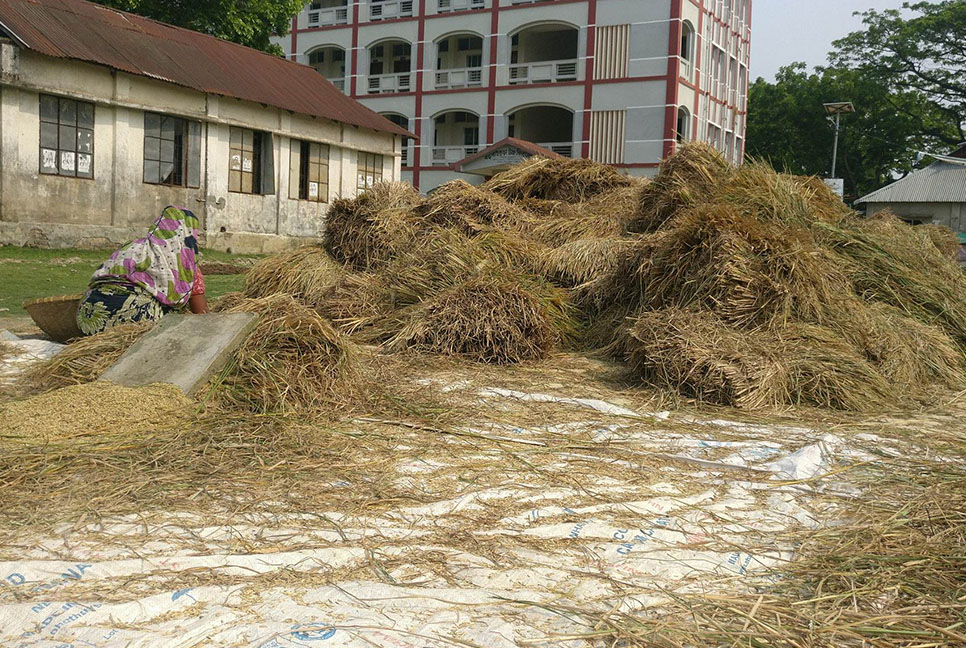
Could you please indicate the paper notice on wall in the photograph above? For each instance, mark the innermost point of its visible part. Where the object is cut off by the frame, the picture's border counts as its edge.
(370, 180)
(49, 160)
(83, 163)
(67, 160)
(236, 163)
(313, 190)
(247, 165)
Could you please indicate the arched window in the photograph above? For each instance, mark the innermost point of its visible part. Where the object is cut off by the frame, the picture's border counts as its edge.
(544, 53)
(390, 63)
(459, 61)
(683, 130)
(688, 39)
(329, 61)
(456, 134)
(548, 126)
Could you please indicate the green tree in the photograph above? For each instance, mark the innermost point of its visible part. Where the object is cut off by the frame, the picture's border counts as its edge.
(924, 53)
(787, 125)
(249, 22)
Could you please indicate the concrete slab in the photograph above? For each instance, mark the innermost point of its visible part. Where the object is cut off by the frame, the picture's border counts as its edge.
(184, 350)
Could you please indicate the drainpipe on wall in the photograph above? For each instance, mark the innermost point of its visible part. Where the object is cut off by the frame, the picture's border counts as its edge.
(114, 145)
(1, 148)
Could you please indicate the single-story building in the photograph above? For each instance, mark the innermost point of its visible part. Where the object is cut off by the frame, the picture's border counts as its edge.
(106, 117)
(935, 194)
(499, 157)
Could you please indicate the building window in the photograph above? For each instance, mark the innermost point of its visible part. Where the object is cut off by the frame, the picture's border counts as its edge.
(683, 125)
(370, 170)
(399, 120)
(309, 171)
(66, 137)
(687, 51)
(172, 151)
(250, 168)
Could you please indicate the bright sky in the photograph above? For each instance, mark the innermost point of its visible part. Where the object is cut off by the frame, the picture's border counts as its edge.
(785, 31)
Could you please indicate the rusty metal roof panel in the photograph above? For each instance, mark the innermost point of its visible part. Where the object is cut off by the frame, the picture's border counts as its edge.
(84, 31)
(939, 182)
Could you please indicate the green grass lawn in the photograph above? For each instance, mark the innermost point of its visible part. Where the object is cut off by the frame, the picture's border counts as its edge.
(28, 273)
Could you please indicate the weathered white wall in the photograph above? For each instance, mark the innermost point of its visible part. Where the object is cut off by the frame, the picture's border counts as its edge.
(952, 215)
(60, 211)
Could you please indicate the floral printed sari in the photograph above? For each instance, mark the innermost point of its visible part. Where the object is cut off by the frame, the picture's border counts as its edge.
(146, 278)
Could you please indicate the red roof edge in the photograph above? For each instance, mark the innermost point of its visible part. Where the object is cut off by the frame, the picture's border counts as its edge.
(92, 33)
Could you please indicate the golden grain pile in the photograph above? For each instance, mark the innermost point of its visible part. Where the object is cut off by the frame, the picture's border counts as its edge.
(733, 286)
(92, 409)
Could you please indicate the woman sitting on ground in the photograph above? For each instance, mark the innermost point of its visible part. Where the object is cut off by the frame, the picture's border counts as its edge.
(148, 278)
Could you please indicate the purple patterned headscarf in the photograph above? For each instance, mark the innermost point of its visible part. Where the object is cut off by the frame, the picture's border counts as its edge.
(164, 263)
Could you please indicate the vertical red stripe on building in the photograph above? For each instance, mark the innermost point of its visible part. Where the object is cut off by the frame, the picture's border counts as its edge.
(355, 50)
(673, 77)
(491, 90)
(295, 37)
(418, 131)
(589, 75)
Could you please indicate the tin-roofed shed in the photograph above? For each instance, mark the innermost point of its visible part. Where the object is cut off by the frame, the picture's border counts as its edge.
(935, 194)
(107, 117)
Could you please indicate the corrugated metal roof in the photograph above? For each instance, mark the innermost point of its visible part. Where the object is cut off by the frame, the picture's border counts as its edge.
(75, 29)
(939, 182)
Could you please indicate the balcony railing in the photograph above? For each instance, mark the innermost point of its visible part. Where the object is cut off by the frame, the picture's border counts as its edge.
(687, 69)
(518, 2)
(543, 72)
(326, 17)
(565, 149)
(391, 9)
(339, 83)
(460, 78)
(447, 155)
(389, 83)
(460, 5)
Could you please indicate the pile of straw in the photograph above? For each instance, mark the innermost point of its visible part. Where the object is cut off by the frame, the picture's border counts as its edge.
(734, 286)
(712, 361)
(84, 360)
(460, 205)
(378, 305)
(755, 289)
(308, 273)
(294, 359)
(571, 181)
(486, 320)
(367, 231)
(684, 180)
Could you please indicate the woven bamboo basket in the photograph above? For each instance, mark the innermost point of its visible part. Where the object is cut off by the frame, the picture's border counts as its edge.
(56, 316)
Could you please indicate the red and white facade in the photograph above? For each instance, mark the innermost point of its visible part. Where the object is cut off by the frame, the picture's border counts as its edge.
(618, 81)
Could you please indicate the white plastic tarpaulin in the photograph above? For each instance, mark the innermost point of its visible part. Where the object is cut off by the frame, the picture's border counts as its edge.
(450, 571)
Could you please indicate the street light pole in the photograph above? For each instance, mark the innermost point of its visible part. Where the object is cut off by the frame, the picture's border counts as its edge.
(835, 148)
(837, 109)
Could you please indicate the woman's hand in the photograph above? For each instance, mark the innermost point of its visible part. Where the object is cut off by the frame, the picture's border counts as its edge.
(198, 304)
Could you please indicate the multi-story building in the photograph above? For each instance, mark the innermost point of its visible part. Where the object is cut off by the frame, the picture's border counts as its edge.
(618, 81)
